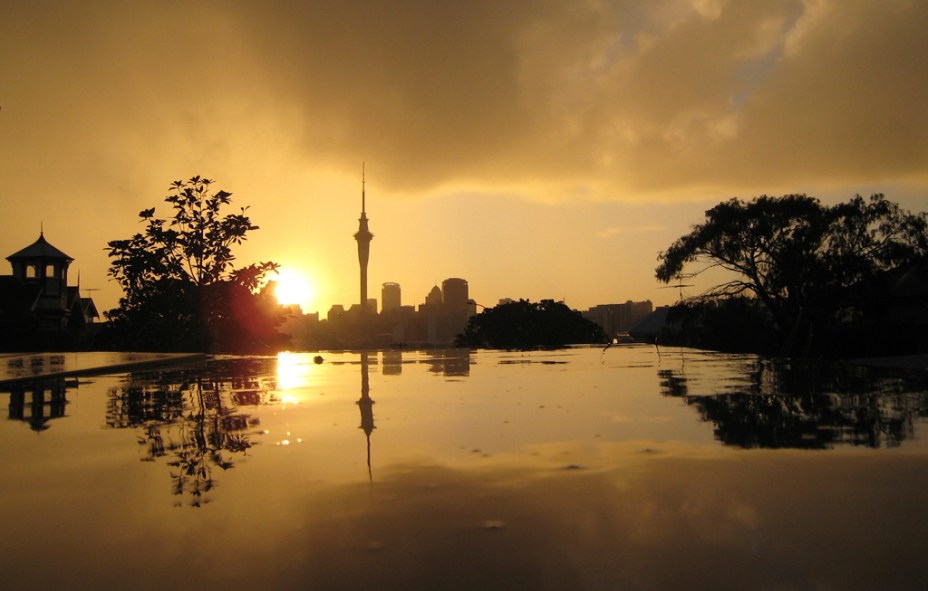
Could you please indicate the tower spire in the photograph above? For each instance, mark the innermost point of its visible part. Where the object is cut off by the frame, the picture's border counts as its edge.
(363, 197)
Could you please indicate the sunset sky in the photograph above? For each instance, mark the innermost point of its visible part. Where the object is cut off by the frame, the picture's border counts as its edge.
(537, 149)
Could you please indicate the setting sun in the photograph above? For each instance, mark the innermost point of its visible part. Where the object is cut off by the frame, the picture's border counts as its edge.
(294, 288)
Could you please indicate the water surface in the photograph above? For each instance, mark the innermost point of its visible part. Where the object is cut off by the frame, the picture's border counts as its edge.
(630, 468)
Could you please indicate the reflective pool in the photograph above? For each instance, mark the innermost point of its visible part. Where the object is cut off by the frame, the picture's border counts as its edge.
(629, 468)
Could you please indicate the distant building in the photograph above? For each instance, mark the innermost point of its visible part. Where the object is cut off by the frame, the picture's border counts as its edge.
(454, 293)
(457, 305)
(390, 297)
(434, 298)
(37, 306)
(618, 318)
(336, 312)
(445, 312)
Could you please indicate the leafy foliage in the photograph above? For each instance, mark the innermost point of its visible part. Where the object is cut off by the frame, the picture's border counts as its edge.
(527, 325)
(803, 260)
(181, 290)
(735, 324)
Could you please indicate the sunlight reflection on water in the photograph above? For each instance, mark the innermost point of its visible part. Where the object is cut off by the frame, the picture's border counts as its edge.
(578, 468)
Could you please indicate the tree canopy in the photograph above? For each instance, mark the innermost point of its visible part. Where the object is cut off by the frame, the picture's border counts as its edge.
(527, 325)
(181, 290)
(803, 260)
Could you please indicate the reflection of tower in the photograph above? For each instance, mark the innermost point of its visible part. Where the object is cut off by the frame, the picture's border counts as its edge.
(367, 411)
(364, 237)
(40, 409)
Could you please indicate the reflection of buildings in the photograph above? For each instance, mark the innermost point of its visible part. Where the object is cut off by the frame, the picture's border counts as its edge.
(37, 306)
(39, 402)
(449, 362)
(392, 364)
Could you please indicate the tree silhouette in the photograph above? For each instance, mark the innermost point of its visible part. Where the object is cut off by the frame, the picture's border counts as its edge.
(527, 325)
(807, 263)
(180, 288)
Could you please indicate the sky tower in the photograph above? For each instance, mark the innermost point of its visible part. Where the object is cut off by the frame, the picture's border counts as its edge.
(364, 237)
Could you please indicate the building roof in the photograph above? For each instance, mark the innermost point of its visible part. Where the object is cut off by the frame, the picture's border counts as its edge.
(40, 249)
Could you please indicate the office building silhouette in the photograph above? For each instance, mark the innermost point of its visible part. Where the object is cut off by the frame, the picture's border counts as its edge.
(390, 297)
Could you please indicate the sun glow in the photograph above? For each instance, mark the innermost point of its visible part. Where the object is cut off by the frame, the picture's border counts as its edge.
(294, 288)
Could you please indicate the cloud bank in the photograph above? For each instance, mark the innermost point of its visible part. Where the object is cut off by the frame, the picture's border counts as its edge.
(612, 100)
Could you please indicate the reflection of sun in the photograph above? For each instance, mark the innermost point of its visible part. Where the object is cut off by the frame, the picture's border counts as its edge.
(293, 288)
(292, 372)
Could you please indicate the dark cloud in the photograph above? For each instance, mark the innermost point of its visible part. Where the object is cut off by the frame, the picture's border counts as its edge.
(639, 97)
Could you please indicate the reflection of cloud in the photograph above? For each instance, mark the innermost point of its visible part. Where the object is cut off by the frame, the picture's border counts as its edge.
(640, 229)
(615, 525)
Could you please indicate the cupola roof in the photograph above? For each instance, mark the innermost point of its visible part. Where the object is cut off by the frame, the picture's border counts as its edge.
(40, 249)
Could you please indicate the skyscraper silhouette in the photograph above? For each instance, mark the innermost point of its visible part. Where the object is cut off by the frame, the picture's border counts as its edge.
(364, 237)
(390, 297)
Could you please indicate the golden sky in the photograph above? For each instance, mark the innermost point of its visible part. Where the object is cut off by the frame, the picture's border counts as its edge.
(537, 149)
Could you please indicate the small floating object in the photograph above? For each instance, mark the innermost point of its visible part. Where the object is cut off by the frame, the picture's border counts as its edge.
(493, 524)
(318, 359)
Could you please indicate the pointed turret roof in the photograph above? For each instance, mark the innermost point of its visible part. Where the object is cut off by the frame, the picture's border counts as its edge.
(40, 249)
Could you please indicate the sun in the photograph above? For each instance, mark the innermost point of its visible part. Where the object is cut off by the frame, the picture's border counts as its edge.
(294, 288)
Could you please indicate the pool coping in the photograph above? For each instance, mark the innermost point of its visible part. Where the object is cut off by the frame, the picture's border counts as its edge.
(147, 360)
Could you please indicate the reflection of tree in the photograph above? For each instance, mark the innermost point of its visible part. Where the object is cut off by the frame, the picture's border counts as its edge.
(782, 405)
(193, 420)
